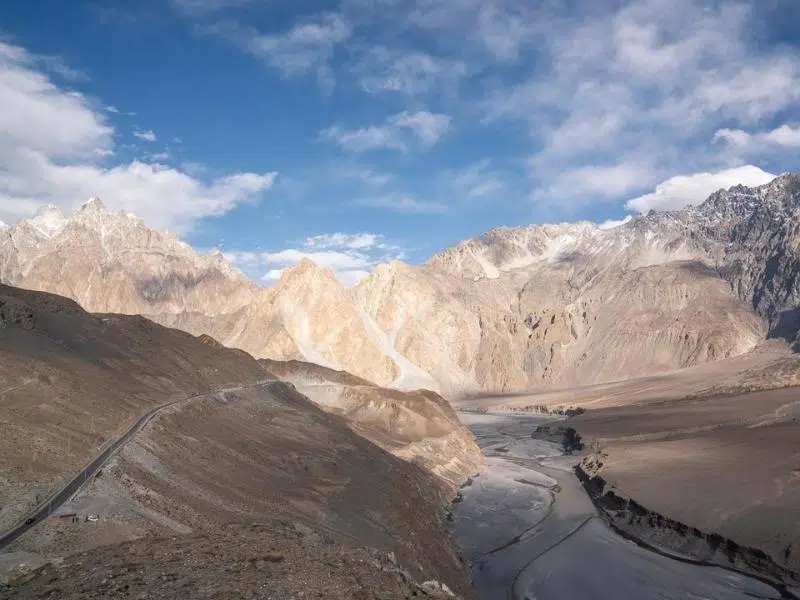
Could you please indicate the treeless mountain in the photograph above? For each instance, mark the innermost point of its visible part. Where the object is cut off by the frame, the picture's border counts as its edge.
(71, 381)
(265, 483)
(546, 305)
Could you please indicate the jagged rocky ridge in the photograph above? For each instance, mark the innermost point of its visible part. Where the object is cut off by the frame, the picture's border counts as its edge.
(542, 305)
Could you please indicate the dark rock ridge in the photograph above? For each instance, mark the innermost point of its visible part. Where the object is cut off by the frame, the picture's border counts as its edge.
(661, 533)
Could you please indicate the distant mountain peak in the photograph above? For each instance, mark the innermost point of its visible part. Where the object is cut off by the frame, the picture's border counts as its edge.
(306, 270)
(93, 204)
(48, 221)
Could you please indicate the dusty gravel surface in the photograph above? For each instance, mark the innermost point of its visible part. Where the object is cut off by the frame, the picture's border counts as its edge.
(278, 560)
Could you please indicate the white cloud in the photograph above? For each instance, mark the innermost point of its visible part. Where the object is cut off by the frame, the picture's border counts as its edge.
(684, 190)
(366, 138)
(643, 85)
(402, 203)
(51, 144)
(350, 256)
(146, 136)
(3, 225)
(785, 136)
(613, 223)
(396, 133)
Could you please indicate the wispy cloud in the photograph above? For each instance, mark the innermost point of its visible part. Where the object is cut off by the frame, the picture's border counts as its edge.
(499, 28)
(381, 70)
(147, 135)
(396, 133)
(57, 66)
(204, 7)
(350, 256)
(307, 47)
(115, 111)
(402, 203)
(475, 181)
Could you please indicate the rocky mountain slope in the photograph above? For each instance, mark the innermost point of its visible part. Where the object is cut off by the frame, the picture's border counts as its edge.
(297, 481)
(70, 381)
(548, 305)
(419, 425)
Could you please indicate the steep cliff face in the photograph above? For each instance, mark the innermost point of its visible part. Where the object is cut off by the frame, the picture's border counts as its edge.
(543, 305)
(762, 254)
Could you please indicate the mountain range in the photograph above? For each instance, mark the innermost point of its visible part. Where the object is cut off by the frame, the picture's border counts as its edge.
(516, 308)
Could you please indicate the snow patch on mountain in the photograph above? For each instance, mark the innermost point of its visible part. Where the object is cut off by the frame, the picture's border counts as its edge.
(48, 221)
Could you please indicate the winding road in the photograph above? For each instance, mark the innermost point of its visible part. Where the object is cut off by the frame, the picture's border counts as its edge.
(63, 494)
(531, 532)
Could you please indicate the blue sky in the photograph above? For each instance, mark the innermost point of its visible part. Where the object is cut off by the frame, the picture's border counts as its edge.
(357, 131)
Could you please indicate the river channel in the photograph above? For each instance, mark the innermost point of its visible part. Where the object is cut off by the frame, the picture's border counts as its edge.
(531, 533)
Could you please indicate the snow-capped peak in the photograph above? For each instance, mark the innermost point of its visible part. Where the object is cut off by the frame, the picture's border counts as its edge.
(3, 225)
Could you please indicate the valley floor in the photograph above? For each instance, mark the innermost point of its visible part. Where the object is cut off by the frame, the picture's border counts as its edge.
(530, 531)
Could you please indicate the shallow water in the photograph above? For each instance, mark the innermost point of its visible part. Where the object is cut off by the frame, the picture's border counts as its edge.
(531, 532)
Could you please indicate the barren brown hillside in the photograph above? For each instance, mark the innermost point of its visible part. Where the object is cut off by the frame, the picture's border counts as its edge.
(71, 381)
(318, 508)
(418, 425)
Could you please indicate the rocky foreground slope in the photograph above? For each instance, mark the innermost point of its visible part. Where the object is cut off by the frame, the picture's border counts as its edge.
(270, 488)
(543, 305)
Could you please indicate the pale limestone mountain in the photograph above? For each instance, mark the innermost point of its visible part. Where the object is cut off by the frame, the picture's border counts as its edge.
(516, 308)
(111, 262)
